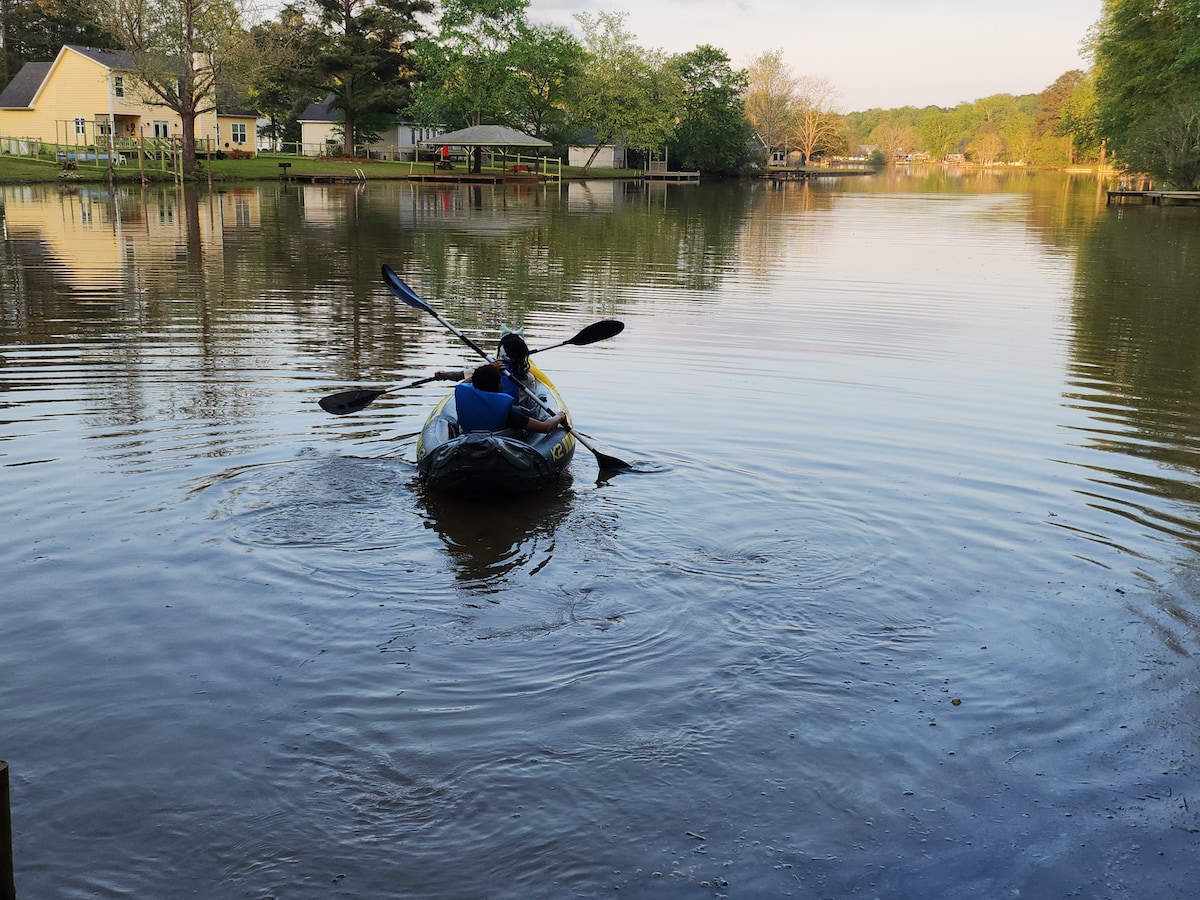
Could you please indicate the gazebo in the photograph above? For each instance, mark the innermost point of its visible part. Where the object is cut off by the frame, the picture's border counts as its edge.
(487, 137)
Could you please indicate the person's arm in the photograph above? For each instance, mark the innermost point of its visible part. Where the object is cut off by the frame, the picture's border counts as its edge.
(547, 426)
(462, 374)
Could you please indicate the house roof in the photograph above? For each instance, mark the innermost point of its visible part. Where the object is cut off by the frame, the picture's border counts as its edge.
(24, 87)
(320, 112)
(488, 136)
(112, 59)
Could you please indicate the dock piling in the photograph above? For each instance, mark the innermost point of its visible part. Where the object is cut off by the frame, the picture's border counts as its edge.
(8, 889)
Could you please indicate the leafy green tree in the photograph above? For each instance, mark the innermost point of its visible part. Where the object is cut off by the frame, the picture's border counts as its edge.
(1147, 68)
(467, 71)
(712, 135)
(940, 134)
(365, 59)
(35, 30)
(548, 62)
(280, 92)
(627, 94)
(1079, 121)
(1051, 144)
(1167, 143)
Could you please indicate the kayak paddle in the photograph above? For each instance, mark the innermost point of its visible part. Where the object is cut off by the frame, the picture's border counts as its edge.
(597, 331)
(407, 295)
(352, 401)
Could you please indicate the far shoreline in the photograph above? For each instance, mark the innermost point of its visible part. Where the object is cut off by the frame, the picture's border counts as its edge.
(267, 168)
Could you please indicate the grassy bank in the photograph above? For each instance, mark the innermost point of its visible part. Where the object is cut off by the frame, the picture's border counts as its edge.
(265, 167)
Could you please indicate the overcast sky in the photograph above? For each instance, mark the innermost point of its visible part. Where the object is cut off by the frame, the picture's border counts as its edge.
(877, 53)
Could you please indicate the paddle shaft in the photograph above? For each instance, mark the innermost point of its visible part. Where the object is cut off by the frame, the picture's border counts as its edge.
(353, 401)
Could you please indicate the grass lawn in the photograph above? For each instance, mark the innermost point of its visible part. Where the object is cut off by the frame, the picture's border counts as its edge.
(264, 167)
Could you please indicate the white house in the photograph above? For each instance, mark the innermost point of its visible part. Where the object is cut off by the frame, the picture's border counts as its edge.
(321, 133)
(610, 156)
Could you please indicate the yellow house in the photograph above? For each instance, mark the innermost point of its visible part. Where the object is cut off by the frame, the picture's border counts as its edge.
(86, 96)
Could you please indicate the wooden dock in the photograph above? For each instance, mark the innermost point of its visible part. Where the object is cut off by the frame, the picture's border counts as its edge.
(673, 177)
(356, 177)
(807, 174)
(656, 170)
(1155, 198)
(524, 177)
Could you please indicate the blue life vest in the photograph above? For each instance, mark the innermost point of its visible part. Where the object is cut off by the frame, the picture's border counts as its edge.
(481, 410)
(509, 385)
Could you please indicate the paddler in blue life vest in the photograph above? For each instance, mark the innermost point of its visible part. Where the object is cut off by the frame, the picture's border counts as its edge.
(486, 397)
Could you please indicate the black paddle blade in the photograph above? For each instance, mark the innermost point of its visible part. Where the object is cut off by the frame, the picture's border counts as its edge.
(610, 463)
(597, 331)
(402, 291)
(349, 401)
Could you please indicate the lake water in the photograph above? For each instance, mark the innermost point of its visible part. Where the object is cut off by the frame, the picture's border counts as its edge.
(900, 599)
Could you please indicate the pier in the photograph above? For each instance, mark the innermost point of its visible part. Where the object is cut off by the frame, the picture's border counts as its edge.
(1155, 198)
(656, 170)
(342, 178)
(807, 174)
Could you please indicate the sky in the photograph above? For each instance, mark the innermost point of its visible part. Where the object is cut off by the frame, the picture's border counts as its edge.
(876, 53)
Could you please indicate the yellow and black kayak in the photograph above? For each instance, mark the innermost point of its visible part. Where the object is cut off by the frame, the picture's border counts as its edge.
(495, 462)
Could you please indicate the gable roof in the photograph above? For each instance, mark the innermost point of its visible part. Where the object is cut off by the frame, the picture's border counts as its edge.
(489, 136)
(31, 78)
(112, 59)
(25, 84)
(23, 89)
(320, 112)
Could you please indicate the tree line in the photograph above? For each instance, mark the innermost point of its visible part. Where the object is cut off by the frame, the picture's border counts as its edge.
(468, 62)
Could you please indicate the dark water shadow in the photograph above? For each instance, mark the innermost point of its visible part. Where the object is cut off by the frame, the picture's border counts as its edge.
(486, 540)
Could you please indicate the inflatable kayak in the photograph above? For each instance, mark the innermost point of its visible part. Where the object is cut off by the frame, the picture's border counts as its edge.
(494, 462)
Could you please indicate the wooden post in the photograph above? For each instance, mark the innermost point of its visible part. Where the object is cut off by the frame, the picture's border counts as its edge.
(8, 890)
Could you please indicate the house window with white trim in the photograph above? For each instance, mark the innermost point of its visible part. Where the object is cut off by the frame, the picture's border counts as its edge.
(81, 125)
(118, 85)
(237, 132)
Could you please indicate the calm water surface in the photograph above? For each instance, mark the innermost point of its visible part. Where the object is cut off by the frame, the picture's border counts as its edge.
(900, 601)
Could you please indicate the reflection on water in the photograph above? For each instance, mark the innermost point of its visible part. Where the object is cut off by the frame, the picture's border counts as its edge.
(902, 583)
(487, 541)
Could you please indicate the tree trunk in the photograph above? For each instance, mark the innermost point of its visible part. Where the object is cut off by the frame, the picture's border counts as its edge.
(591, 159)
(187, 91)
(188, 115)
(348, 123)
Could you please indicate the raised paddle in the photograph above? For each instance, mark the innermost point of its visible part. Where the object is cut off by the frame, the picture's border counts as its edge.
(352, 401)
(407, 295)
(597, 331)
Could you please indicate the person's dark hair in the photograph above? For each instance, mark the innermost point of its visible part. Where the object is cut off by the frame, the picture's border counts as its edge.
(486, 378)
(517, 351)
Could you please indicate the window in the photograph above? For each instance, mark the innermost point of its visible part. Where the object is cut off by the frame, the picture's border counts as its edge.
(237, 132)
(118, 85)
(80, 125)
